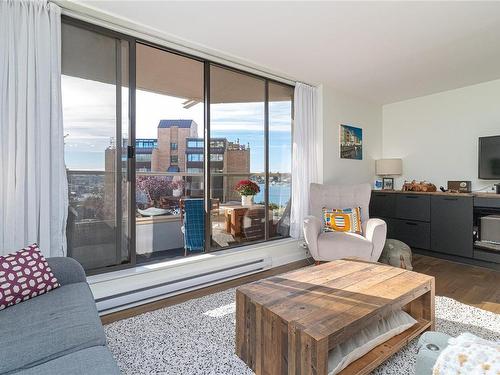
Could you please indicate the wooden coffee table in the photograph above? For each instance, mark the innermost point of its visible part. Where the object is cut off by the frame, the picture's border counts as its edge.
(286, 324)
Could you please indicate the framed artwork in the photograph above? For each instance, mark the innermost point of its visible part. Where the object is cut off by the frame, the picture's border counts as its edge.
(387, 183)
(351, 142)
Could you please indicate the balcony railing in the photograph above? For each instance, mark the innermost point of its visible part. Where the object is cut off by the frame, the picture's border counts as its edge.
(93, 221)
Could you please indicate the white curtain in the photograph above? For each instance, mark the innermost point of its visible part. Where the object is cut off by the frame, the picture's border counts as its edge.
(33, 185)
(304, 156)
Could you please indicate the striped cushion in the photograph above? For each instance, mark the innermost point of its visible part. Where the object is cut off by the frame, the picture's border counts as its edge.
(342, 220)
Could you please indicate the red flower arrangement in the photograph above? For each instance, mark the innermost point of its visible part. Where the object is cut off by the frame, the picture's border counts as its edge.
(247, 187)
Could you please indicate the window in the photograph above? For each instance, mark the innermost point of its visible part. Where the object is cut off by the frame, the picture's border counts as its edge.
(237, 114)
(96, 125)
(216, 144)
(169, 109)
(216, 157)
(195, 157)
(143, 157)
(145, 143)
(114, 222)
(195, 144)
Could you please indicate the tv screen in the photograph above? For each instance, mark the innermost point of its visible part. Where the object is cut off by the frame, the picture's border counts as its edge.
(489, 158)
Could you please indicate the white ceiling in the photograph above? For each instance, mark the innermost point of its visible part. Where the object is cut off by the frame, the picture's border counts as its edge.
(380, 51)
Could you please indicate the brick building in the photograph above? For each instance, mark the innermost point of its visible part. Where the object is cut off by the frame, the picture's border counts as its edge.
(170, 153)
(178, 149)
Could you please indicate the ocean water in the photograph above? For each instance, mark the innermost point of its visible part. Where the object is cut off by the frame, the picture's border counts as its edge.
(278, 194)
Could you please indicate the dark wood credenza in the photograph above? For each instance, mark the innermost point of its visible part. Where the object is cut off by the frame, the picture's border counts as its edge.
(437, 223)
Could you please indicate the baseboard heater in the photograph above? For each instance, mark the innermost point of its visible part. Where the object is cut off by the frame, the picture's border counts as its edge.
(141, 296)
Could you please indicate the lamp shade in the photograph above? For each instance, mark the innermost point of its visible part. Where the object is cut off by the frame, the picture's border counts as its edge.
(388, 167)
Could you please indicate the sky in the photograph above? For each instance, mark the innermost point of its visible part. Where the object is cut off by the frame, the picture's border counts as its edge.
(89, 123)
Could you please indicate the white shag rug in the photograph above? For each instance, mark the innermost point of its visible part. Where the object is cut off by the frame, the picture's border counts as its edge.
(197, 337)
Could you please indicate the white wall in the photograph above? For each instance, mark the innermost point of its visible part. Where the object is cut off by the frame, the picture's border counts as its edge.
(340, 108)
(437, 135)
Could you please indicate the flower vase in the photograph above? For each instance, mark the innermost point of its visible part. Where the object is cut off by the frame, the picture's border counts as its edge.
(246, 200)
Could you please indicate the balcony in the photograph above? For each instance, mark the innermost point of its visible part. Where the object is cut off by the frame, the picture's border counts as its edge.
(95, 239)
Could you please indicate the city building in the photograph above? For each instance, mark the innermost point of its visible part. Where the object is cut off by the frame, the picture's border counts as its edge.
(178, 149)
(143, 151)
(170, 153)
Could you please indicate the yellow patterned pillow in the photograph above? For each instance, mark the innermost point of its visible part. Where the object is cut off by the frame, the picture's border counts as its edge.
(342, 220)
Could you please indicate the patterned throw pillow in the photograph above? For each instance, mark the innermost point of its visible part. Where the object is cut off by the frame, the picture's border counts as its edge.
(23, 275)
(342, 220)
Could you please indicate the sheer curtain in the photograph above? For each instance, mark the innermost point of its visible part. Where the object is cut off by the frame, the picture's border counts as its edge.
(305, 162)
(33, 185)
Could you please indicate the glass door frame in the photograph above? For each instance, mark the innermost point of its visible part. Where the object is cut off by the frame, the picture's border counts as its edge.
(130, 165)
(131, 160)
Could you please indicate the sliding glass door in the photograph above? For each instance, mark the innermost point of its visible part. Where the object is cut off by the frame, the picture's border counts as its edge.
(95, 98)
(168, 155)
(237, 157)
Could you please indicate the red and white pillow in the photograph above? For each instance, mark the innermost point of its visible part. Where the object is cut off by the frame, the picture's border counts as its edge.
(24, 274)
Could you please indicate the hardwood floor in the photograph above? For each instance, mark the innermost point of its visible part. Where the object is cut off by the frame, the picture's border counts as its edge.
(472, 285)
(475, 286)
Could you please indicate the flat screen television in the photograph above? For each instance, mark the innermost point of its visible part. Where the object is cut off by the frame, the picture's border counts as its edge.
(489, 158)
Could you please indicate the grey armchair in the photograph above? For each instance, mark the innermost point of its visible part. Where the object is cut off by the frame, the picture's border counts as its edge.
(326, 246)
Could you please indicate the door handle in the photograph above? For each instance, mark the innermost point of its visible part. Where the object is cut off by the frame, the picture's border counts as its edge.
(130, 152)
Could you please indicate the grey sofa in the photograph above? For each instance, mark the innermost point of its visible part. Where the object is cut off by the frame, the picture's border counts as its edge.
(58, 332)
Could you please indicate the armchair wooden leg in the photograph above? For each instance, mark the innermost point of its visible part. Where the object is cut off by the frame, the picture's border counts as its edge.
(317, 263)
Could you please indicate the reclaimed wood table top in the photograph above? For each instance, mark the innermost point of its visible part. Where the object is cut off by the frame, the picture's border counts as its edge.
(336, 299)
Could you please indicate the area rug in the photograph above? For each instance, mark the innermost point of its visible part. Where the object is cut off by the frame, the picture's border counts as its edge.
(197, 337)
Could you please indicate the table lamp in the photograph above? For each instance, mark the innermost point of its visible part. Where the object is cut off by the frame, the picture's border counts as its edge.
(388, 167)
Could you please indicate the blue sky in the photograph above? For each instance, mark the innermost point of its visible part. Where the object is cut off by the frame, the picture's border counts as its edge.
(245, 121)
(90, 123)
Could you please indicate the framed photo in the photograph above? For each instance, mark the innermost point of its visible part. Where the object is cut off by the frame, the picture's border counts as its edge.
(351, 142)
(387, 183)
(377, 184)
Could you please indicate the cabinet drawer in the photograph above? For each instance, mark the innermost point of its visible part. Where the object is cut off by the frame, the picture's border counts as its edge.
(452, 225)
(383, 205)
(413, 233)
(413, 207)
(487, 202)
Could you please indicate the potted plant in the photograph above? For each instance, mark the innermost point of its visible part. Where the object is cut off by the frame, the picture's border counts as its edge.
(247, 189)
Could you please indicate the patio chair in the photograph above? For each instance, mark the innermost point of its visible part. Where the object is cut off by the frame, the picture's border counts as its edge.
(193, 224)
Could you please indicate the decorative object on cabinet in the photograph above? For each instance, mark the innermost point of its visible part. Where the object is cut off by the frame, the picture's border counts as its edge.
(387, 183)
(459, 186)
(386, 168)
(422, 186)
(378, 184)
